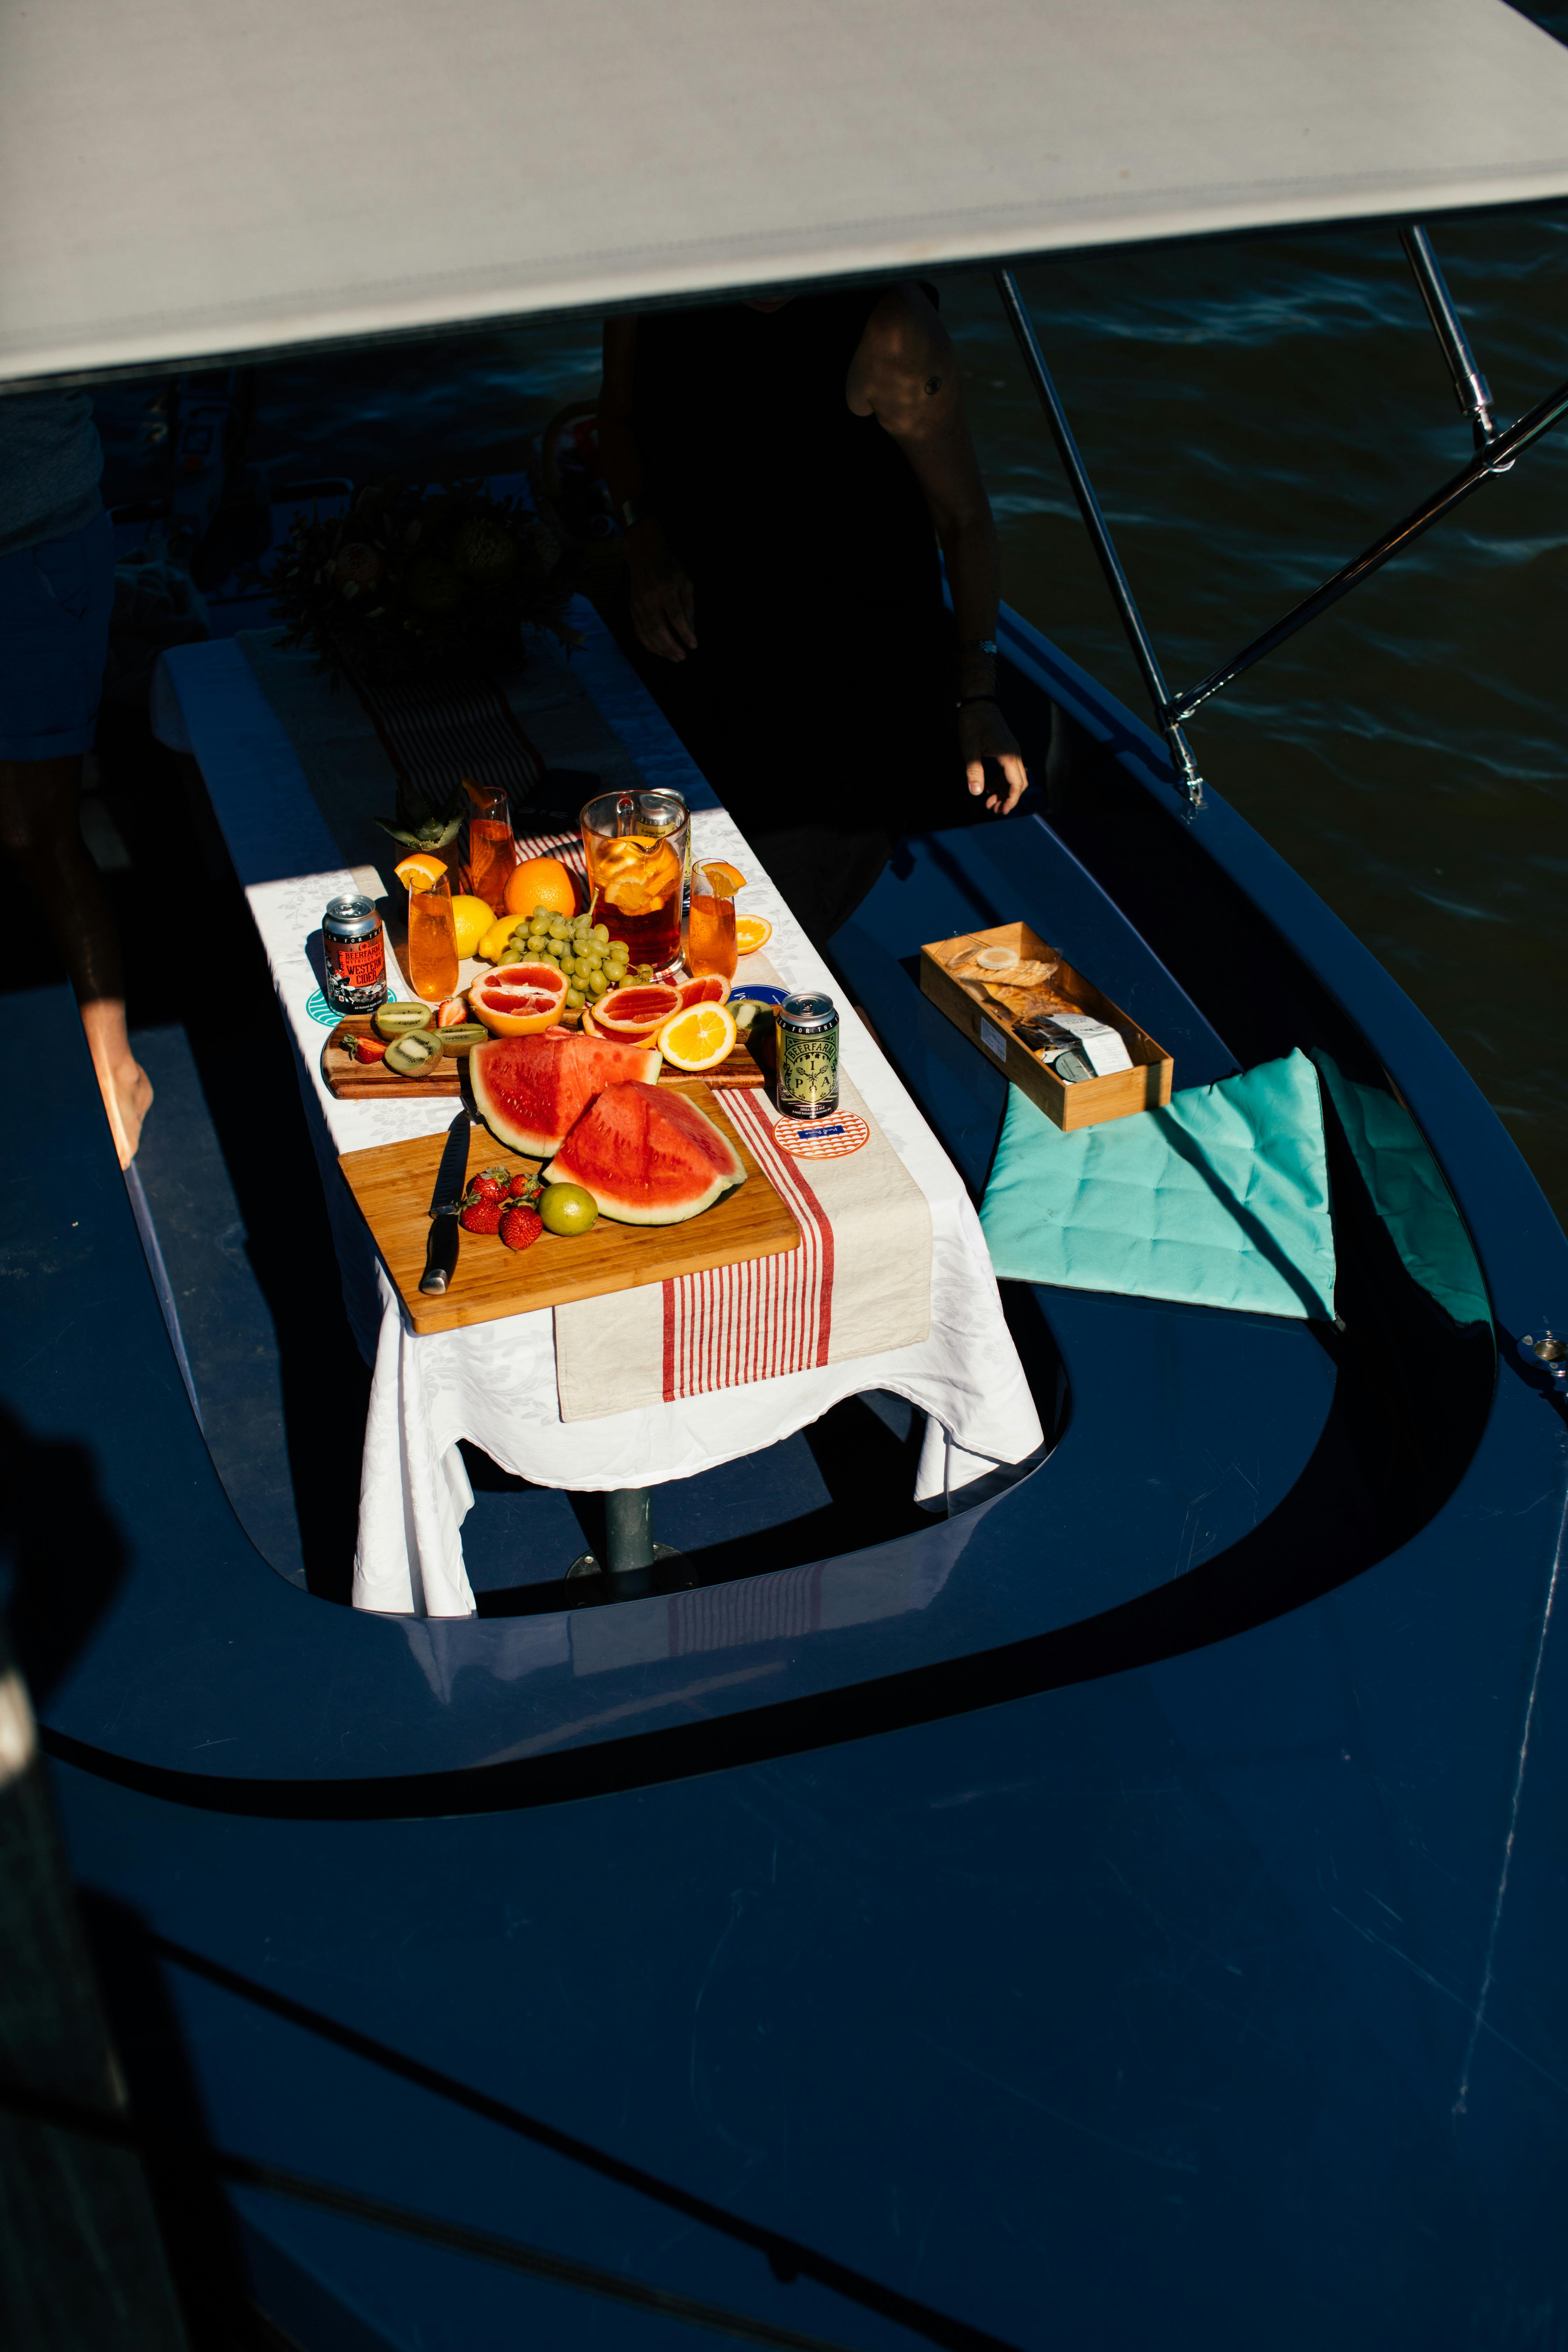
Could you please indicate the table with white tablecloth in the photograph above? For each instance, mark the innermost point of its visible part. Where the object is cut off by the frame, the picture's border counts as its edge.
(494, 1384)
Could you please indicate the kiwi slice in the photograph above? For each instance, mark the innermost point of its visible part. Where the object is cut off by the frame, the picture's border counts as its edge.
(461, 1037)
(415, 1053)
(393, 1019)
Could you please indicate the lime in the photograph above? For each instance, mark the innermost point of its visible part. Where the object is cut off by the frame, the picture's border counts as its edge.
(567, 1209)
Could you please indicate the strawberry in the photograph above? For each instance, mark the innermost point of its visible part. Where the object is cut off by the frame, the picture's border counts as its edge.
(482, 1216)
(520, 1227)
(368, 1048)
(490, 1184)
(522, 1184)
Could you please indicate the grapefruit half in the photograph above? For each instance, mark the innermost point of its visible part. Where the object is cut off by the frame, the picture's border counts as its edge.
(519, 1000)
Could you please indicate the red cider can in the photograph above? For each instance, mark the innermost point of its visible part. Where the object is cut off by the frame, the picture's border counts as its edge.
(355, 954)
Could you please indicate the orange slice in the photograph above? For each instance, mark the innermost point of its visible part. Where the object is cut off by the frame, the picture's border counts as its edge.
(751, 932)
(723, 879)
(621, 850)
(699, 1038)
(420, 872)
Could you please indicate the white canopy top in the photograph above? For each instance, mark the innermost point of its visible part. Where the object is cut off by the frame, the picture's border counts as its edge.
(184, 179)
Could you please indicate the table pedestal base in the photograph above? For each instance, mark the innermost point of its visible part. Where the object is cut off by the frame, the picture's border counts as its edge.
(631, 1556)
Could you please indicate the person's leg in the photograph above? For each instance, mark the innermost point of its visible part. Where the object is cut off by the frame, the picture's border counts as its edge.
(40, 833)
(55, 604)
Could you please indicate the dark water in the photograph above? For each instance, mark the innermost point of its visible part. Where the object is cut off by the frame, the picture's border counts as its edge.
(1253, 413)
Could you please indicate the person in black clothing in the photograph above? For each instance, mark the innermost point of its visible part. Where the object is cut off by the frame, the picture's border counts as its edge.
(787, 471)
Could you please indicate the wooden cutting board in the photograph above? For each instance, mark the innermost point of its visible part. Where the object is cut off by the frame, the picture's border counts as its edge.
(393, 1184)
(355, 1081)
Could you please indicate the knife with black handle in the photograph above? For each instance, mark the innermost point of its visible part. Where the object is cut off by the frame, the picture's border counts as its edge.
(445, 1200)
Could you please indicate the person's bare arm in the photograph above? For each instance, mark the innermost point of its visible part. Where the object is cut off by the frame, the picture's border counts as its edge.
(664, 603)
(905, 374)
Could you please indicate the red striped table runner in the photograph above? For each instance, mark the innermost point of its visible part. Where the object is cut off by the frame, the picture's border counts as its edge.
(774, 1314)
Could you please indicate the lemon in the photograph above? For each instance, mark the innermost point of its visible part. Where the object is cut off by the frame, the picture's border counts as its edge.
(498, 937)
(472, 919)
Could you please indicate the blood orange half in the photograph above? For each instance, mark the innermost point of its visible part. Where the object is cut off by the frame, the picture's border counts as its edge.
(711, 989)
(635, 1015)
(520, 999)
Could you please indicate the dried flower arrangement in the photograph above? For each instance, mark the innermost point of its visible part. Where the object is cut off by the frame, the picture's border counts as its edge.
(415, 583)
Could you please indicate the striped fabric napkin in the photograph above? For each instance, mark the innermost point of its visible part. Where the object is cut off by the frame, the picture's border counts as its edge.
(858, 1284)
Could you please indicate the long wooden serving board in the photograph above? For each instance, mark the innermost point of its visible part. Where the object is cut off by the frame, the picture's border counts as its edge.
(355, 1081)
(393, 1184)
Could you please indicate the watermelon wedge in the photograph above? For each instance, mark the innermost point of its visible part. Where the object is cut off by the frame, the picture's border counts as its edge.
(648, 1155)
(530, 1091)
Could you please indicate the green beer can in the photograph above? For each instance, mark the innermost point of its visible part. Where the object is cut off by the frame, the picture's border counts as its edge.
(807, 1027)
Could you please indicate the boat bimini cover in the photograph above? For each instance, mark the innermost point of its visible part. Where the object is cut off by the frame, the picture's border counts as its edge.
(181, 180)
(1219, 1200)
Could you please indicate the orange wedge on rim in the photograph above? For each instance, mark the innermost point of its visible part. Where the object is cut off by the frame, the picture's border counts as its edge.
(718, 880)
(421, 871)
(751, 932)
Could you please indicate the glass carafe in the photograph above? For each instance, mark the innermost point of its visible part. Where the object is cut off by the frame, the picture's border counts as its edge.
(635, 845)
(492, 853)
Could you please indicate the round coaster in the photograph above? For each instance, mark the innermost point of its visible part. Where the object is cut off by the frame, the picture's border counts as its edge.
(832, 1138)
(320, 1010)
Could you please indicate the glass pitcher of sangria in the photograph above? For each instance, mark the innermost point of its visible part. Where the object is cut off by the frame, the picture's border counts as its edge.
(492, 852)
(635, 845)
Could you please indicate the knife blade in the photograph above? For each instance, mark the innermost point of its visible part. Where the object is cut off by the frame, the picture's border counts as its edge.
(451, 1181)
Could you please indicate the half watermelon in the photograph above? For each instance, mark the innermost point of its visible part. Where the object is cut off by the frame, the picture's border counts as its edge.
(648, 1155)
(530, 1091)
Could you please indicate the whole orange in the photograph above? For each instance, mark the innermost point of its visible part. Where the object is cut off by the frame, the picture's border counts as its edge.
(540, 882)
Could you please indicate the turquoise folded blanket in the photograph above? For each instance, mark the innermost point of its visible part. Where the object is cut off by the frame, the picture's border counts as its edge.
(1409, 1194)
(1219, 1200)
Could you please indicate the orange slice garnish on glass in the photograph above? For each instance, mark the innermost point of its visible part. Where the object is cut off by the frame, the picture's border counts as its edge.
(700, 1038)
(723, 879)
(751, 932)
(421, 871)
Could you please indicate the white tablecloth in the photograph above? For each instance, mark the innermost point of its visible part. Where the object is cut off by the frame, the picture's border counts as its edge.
(494, 1384)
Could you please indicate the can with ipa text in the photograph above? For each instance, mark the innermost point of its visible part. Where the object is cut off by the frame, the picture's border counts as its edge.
(355, 955)
(807, 1027)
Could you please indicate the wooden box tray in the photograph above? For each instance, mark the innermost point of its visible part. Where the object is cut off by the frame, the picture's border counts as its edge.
(990, 1026)
(356, 1081)
(394, 1182)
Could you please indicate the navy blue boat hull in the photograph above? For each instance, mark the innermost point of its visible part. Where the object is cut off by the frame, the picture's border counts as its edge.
(1138, 1921)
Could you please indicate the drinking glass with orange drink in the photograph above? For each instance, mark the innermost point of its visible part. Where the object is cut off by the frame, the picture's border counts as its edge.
(635, 845)
(711, 923)
(492, 852)
(431, 958)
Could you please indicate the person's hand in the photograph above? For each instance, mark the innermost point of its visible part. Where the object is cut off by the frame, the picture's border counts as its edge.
(984, 734)
(664, 602)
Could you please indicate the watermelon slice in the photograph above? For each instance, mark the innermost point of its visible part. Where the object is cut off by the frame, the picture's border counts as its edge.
(648, 1155)
(531, 1091)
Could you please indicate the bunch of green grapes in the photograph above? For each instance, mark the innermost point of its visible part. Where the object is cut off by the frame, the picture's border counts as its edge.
(583, 950)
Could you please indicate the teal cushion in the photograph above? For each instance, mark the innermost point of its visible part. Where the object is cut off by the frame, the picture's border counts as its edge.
(1221, 1198)
(1409, 1194)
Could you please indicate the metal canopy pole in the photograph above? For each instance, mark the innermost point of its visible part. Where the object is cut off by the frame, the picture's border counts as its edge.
(1495, 458)
(1471, 389)
(1138, 636)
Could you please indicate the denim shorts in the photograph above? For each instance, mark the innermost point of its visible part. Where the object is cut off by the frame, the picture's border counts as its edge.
(56, 600)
